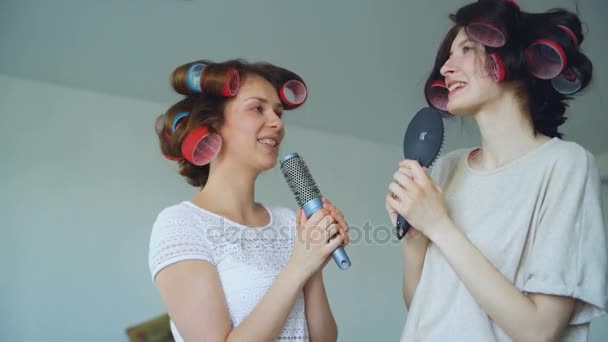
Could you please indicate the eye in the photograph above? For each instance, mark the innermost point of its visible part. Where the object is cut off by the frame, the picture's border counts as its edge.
(466, 49)
(258, 109)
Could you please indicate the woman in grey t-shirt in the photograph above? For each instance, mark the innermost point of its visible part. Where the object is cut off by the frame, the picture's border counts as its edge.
(507, 239)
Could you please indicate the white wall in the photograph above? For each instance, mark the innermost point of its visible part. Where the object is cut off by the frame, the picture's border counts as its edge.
(82, 180)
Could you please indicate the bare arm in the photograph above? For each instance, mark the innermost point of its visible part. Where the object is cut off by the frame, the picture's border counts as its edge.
(414, 247)
(321, 324)
(193, 295)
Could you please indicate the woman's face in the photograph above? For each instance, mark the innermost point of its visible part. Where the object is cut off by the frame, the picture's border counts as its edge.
(470, 85)
(253, 129)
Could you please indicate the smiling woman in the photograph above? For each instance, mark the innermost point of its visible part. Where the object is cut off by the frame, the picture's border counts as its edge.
(508, 240)
(226, 266)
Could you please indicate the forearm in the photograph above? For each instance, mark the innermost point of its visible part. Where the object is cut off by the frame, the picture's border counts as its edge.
(414, 252)
(267, 319)
(321, 323)
(514, 312)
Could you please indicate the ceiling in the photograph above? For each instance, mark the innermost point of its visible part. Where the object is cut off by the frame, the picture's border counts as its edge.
(364, 61)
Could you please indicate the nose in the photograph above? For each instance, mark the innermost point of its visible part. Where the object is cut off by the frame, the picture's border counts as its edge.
(275, 121)
(448, 67)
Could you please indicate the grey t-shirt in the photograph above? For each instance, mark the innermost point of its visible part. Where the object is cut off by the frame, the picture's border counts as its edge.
(538, 220)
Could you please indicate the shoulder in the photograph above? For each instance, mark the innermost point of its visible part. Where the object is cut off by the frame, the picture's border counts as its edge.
(568, 159)
(451, 158)
(448, 162)
(282, 215)
(177, 213)
(181, 219)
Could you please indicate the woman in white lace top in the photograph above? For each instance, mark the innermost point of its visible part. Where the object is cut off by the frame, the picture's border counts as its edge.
(227, 267)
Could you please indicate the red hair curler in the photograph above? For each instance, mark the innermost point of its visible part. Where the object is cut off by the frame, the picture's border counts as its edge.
(200, 146)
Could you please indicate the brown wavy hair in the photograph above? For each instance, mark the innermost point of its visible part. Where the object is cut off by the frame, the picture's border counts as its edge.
(207, 108)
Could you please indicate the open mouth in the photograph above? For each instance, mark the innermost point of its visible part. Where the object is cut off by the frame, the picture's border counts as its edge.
(269, 143)
(456, 86)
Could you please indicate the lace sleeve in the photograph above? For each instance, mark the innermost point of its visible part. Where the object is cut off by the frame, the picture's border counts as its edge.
(177, 235)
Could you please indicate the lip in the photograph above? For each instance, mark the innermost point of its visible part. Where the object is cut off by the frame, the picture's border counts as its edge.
(273, 137)
(455, 91)
(271, 148)
(451, 82)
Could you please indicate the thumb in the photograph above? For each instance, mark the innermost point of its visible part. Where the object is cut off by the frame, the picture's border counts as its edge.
(299, 222)
(301, 217)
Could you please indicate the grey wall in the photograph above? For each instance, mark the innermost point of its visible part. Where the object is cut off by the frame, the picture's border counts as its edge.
(82, 182)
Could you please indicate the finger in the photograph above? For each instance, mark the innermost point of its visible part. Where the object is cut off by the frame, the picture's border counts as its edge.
(303, 218)
(299, 217)
(299, 223)
(339, 219)
(317, 217)
(404, 180)
(332, 231)
(409, 163)
(345, 236)
(330, 207)
(333, 244)
(396, 189)
(419, 175)
(396, 205)
(406, 171)
(325, 222)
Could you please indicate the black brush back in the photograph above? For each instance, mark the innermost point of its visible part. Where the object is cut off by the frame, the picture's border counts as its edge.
(422, 142)
(424, 136)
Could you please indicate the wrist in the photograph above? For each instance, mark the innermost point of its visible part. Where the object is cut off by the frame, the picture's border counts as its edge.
(315, 280)
(442, 230)
(296, 274)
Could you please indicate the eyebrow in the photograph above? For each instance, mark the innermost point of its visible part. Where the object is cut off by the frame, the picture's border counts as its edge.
(468, 40)
(263, 100)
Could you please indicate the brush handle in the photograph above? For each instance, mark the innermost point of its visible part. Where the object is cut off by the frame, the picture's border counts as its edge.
(402, 227)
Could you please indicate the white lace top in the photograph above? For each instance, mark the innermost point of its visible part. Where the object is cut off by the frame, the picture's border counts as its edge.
(248, 259)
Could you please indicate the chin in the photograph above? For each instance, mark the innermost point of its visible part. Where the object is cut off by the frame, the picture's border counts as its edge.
(267, 164)
(462, 109)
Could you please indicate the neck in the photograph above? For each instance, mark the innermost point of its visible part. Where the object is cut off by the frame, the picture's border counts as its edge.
(229, 191)
(507, 132)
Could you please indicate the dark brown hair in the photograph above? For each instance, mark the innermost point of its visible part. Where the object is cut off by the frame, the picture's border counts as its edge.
(546, 106)
(206, 108)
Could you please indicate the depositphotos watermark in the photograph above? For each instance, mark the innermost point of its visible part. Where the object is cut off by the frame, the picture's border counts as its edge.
(367, 234)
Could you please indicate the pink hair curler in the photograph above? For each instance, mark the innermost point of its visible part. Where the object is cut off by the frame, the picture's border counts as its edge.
(568, 82)
(438, 95)
(496, 67)
(546, 59)
(487, 33)
(293, 93)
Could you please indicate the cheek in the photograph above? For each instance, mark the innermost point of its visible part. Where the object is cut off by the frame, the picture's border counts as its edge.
(480, 69)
